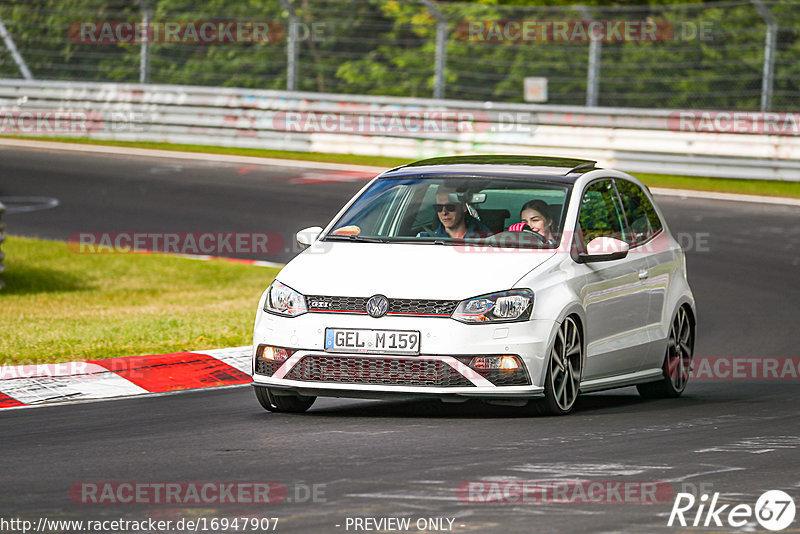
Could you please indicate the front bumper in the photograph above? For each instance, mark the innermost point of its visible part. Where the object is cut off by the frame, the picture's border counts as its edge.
(396, 392)
(445, 343)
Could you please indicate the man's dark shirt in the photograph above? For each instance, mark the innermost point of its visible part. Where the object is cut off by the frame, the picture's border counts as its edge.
(475, 229)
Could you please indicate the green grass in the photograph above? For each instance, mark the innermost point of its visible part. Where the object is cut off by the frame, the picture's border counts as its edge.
(774, 188)
(722, 185)
(59, 305)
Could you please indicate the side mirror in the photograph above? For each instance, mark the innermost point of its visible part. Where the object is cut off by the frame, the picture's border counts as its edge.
(603, 249)
(307, 236)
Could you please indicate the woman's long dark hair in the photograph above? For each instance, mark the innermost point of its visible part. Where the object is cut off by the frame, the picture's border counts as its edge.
(541, 207)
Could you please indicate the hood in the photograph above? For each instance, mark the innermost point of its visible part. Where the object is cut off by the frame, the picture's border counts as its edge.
(404, 270)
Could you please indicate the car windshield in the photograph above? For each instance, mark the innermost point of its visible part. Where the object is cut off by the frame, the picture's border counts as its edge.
(445, 210)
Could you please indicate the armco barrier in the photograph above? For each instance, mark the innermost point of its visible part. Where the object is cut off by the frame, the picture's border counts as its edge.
(636, 140)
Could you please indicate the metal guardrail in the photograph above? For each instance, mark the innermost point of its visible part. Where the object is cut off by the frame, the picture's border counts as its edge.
(637, 140)
(2, 239)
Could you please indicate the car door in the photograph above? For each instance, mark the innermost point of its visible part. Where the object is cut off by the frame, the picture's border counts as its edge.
(645, 236)
(613, 296)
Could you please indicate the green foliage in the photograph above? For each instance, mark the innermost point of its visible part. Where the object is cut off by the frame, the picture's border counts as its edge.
(714, 60)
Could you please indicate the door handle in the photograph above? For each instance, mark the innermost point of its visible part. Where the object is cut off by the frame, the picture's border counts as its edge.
(643, 274)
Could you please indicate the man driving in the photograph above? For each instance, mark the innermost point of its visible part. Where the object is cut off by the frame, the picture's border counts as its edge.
(454, 220)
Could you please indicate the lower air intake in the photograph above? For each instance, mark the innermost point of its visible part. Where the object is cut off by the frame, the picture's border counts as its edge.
(376, 370)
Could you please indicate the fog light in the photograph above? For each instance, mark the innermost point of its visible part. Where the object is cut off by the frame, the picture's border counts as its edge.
(509, 362)
(276, 354)
(488, 363)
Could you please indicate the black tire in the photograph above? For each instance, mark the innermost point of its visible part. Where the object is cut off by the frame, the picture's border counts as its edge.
(677, 360)
(282, 403)
(562, 383)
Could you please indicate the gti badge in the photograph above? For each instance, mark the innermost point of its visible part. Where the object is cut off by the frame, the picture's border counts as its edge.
(377, 306)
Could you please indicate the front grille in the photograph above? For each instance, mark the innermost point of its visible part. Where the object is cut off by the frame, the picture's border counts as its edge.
(337, 304)
(376, 370)
(517, 377)
(412, 307)
(422, 307)
(266, 367)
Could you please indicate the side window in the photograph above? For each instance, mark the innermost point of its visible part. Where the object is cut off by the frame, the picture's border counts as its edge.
(601, 215)
(643, 221)
(420, 214)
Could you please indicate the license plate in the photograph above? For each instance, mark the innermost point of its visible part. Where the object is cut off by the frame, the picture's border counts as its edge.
(377, 341)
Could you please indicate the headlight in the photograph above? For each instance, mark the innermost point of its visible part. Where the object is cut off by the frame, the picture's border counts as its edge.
(501, 307)
(283, 300)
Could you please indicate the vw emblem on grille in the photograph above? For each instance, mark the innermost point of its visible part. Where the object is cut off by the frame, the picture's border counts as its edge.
(377, 306)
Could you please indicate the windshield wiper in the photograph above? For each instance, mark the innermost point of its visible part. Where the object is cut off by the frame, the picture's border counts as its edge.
(358, 238)
(417, 240)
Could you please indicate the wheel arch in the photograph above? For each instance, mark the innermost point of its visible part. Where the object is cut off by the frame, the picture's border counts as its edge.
(688, 302)
(574, 309)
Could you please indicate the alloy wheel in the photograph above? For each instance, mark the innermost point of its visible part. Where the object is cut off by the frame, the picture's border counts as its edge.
(679, 350)
(566, 360)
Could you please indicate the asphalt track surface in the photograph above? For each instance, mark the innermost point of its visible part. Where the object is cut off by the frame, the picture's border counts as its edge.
(407, 459)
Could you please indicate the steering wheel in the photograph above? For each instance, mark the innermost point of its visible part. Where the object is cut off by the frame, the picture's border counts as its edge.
(541, 238)
(515, 238)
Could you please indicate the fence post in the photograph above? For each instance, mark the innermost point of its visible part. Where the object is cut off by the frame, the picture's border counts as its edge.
(12, 48)
(441, 47)
(768, 76)
(2, 238)
(593, 69)
(144, 53)
(291, 47)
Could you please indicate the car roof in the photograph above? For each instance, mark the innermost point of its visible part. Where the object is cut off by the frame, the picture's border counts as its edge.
(561, 170)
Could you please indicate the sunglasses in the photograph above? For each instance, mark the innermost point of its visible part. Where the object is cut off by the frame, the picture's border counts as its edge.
(446, 207)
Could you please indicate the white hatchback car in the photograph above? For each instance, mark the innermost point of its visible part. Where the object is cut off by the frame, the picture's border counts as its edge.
(502, 278)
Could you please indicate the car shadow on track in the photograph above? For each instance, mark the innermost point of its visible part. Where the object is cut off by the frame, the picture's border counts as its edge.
(422, 408)
(476, 409)
(708, 397)
(610, 403)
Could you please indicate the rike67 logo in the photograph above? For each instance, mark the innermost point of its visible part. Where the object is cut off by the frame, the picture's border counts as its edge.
(774, 510)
